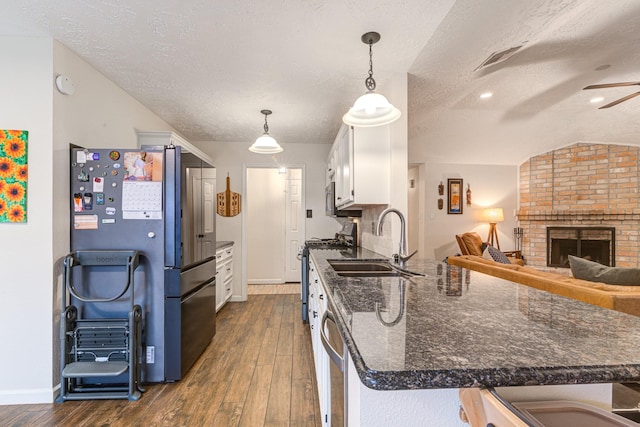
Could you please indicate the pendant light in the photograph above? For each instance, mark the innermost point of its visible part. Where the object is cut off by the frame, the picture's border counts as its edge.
(265, 144)
(371, 109)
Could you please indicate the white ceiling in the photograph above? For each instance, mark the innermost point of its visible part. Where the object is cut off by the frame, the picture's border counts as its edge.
(209, 66)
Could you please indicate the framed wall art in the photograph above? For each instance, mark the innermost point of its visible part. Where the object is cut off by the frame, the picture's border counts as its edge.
(13, 176)
(454, 205)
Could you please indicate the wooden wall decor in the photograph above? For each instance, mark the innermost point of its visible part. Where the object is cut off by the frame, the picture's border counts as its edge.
(228, 201)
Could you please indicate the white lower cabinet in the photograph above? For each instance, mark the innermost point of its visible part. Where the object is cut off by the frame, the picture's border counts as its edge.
(317, 307)
(224, 276)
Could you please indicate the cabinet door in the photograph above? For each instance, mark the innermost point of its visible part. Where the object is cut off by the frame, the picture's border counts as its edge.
(331, 168)
(228, 274)
(220, 276)
(228, 279)
(363, 166)
(323, 364)
(344, 188)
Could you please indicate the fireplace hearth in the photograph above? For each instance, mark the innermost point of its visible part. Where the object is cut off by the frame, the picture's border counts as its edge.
(593, 243)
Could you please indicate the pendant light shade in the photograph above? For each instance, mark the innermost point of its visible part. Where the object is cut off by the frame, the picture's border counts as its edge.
(265, 144)
(371, 109)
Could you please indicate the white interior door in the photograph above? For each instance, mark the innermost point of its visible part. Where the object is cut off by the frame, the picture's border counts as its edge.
(294, 224)
(413, 217)
(265, 221)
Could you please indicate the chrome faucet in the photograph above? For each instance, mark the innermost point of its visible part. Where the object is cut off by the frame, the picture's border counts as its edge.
(401, 257)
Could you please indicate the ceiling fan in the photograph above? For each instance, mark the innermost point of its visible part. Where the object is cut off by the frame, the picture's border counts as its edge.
(617, 101)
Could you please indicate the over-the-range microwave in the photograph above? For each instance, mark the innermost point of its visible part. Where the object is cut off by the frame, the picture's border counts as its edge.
(330, 204)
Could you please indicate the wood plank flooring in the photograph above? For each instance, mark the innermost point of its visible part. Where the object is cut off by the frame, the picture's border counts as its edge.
(257, 371)
(285, 288)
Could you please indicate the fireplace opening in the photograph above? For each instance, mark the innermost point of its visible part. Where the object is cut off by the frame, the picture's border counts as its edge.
(593, 243)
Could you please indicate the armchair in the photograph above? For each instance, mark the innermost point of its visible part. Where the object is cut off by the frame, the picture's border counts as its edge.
(471, 244)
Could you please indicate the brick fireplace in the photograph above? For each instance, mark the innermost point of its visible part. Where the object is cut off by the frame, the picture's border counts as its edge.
(583, 185)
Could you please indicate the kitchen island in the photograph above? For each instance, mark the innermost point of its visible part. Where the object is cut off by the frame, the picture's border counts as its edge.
(415, 341)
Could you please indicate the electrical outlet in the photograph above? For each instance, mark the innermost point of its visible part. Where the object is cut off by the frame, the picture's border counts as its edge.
(151, 354)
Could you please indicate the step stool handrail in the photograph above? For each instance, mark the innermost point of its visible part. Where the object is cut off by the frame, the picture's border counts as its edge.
(127, 258)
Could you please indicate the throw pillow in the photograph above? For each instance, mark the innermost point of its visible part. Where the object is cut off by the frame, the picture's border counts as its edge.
(494, 254)
(596, 272)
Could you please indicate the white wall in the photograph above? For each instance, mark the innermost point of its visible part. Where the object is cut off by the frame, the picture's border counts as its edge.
(265, 221)
(98, 114)
(491, 186)
(231, 157)
(26, 257)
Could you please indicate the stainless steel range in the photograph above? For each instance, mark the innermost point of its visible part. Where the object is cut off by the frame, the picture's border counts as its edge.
(347, 238)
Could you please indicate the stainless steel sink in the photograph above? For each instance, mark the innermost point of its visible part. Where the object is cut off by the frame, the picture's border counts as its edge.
(361, 266)
(356, 268)
(370, 273)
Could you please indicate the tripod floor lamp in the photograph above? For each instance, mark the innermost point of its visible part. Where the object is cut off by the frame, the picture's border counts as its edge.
(493, 216)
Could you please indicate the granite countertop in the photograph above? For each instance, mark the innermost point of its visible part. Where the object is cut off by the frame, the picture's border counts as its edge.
(457, 328)
(223, 244)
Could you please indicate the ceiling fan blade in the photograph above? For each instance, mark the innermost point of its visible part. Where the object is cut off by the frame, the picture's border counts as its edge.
(616, 102)
(606, 85)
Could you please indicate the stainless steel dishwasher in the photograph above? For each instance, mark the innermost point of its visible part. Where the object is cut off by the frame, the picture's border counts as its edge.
(337, 376)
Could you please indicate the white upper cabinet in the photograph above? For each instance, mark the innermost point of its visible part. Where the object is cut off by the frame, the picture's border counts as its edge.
(361, 158)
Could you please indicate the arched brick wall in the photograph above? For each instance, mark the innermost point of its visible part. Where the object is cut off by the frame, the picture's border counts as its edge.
(582, 184)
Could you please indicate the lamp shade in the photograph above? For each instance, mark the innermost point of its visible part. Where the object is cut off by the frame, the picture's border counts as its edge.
(371, 109)
(494, 215)
(266, 145)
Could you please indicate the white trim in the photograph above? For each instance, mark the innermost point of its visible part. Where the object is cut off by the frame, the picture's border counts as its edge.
(28, 396)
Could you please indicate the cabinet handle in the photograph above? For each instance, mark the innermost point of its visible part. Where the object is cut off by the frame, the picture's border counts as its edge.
(338, 198)
(315, 314)
(321, 296)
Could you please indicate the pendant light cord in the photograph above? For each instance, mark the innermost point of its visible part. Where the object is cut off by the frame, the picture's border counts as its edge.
(369, 82)
(266, 126)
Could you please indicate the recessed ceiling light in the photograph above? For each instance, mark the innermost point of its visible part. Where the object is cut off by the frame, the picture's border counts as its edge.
(596, 99)
(486, 95)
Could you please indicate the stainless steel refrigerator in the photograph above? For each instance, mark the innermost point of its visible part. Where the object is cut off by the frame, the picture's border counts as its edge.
(160, 201)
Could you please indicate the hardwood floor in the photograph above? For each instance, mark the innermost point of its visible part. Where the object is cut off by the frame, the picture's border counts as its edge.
(284, 288)
(257, 371)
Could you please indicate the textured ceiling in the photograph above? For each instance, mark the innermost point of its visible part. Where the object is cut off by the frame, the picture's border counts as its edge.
(538, 103)
(208, 67)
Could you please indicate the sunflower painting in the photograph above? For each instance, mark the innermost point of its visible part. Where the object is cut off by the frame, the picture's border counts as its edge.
(13, 175)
